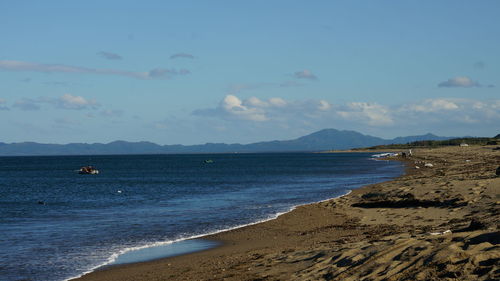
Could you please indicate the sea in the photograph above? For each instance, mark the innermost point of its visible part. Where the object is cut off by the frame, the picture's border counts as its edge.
(56, 224)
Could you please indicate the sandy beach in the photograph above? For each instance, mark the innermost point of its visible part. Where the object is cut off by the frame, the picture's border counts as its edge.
(436, 222)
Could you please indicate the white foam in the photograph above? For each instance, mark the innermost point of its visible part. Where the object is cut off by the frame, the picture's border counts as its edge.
(382, 155)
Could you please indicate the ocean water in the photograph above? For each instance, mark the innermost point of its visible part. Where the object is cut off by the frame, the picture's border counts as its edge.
(138, 201)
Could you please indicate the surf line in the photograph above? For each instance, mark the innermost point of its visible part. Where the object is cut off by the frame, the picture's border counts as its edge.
(110, 261)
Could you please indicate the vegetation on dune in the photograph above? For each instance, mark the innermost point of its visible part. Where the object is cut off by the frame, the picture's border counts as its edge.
(440, 143)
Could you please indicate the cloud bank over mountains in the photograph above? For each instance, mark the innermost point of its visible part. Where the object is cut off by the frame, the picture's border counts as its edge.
(289, 112)
(274, 116)
(253, 115)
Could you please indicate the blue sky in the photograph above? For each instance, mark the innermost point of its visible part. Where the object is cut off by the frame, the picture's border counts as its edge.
(243, 71)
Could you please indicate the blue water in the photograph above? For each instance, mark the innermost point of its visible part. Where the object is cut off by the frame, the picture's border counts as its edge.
(137, 201)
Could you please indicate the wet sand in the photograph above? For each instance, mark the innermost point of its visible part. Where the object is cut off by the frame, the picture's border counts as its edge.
(433, 223)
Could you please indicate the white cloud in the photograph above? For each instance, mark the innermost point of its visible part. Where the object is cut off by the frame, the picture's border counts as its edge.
(459, 81)
(68, 101)
(452, 111)
(278, 102)
(305, 74)
(157, 73)
(478, 105)
(253, 101)
(370, 113)
(433, 105)
(234, 107)
(251, 109)
(324, 105)
(271, 110)
(495, 104)
(256, 102)
(485, 110)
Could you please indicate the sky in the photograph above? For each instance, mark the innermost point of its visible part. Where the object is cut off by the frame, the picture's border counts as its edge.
(192, 72)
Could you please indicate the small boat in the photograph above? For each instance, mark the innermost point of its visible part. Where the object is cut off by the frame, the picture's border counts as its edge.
(88, 170)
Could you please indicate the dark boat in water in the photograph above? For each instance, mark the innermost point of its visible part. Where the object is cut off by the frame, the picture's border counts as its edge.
(88, 170)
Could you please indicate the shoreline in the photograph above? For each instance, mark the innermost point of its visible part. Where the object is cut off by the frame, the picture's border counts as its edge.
(330, 239)
(212, 236)
(109, 264)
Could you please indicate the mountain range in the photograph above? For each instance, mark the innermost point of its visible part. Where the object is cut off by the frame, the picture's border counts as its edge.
(327, 139)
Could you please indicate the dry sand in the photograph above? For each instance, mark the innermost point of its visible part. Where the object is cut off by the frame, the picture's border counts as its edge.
(434, 223)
